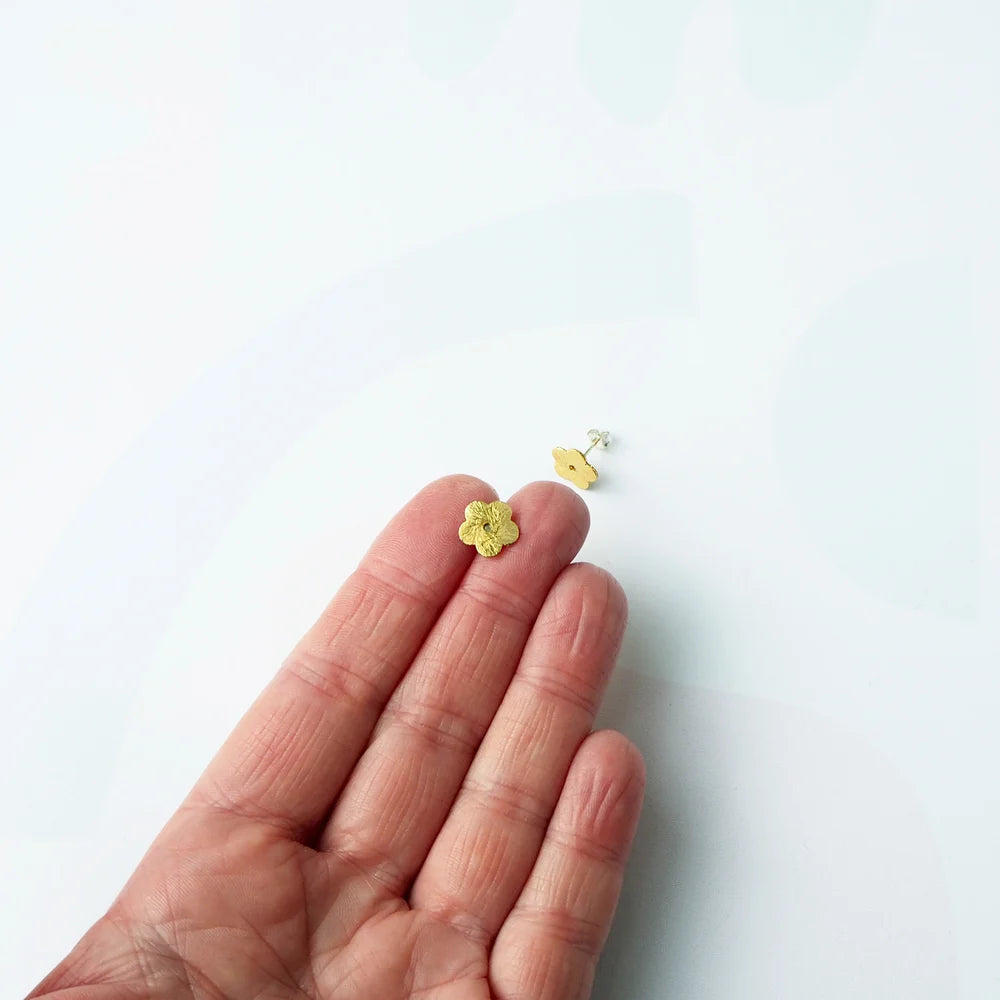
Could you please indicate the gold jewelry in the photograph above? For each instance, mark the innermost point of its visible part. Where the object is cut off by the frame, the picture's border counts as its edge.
(488, 526)
(572, 463)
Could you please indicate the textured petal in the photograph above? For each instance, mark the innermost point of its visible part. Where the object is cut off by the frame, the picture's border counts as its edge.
(478, 512)
(508, 532)
(572, 465)
(561, 455)
(469, 532)
(498, 512)
(488, 545)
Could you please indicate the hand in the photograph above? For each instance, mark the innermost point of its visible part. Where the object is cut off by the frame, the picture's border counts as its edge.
(415, 806)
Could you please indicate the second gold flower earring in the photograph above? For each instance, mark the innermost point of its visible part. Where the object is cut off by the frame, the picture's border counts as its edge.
(572, 464)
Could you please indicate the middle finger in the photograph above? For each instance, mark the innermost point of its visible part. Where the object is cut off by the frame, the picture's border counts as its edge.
(396, 801)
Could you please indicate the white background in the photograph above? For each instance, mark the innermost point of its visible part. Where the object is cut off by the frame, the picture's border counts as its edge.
(265, 269)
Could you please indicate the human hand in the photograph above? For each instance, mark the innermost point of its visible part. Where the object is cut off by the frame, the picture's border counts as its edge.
(415, 806)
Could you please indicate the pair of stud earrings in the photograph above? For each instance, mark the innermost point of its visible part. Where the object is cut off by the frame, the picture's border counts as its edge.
(488, 525)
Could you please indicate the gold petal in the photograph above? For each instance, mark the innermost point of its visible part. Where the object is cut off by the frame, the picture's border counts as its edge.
(508, 533)
(469, 532)
(477, 512)
(570, 465)
(488, 545)
(498, 512)
(562, 462)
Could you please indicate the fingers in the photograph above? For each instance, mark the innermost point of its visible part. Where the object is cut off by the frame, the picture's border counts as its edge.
(400, 793)
(549, 945)
(288, 758)
(485, 851)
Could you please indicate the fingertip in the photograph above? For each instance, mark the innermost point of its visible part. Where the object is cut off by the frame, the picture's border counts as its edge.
(610, 750)
(562, 496)
(597, 580)
(556, 509)
(433, 515)
(460, 486)
(608, 782)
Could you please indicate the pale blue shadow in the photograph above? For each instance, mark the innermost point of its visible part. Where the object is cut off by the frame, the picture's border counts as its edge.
(797, 51)
(877, 429)
(629, 51)
(450, 37)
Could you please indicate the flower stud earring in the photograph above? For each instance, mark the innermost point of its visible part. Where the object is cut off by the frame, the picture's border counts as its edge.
(488, 526)
(572, 464)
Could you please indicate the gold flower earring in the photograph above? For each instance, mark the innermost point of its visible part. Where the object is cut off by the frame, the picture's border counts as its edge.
(488, 526)
(572, 464)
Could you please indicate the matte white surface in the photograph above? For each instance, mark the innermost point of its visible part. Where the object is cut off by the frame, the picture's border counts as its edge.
(267, 269)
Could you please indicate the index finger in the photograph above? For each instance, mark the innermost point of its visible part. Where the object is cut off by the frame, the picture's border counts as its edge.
(289, 756)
